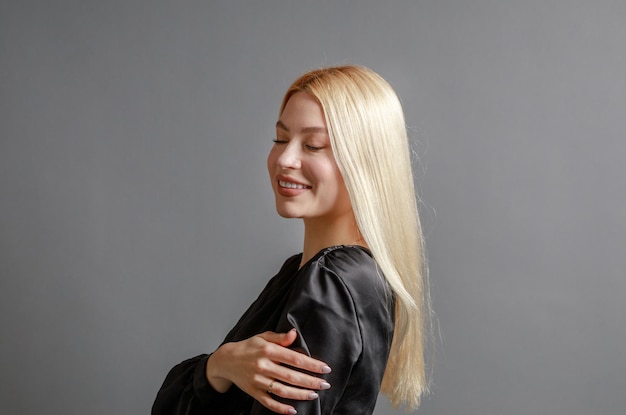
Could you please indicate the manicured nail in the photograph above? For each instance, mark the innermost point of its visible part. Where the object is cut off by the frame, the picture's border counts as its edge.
(326, 369)
(324, 385)
(313, 395)
(292, 411)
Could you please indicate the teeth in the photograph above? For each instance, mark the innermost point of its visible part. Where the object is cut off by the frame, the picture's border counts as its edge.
(290, 185)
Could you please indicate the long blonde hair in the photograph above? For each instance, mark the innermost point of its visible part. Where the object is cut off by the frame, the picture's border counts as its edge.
(368, 136)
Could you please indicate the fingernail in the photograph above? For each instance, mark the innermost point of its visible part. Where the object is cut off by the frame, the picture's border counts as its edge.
(324, 385)
(292, 411)
(313, 395)
(326, 369)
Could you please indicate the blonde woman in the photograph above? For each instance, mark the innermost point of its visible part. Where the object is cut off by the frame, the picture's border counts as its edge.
(346, 317)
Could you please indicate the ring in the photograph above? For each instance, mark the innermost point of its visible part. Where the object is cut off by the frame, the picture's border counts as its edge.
(269, 388)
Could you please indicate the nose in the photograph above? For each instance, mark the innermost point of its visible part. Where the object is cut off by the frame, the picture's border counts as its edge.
(289, 157)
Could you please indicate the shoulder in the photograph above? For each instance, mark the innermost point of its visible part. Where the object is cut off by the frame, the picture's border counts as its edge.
(344, 254)
(350, 262)
(352, 266)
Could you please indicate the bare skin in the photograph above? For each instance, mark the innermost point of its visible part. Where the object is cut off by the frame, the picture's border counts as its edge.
(255, 363)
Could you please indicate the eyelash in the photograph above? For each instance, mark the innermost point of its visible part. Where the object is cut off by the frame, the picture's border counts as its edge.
(309, 147)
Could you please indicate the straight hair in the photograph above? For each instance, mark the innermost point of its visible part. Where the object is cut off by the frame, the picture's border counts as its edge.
(368, 136)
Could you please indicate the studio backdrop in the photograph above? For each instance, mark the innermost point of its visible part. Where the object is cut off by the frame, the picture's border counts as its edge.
(137, 220)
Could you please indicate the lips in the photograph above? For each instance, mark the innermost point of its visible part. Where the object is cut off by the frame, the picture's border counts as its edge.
(288, 187)
(291, 185)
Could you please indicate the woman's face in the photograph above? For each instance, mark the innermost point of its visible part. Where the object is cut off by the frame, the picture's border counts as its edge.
(306, 180)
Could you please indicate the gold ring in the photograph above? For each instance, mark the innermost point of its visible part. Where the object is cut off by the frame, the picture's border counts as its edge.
(269, 388)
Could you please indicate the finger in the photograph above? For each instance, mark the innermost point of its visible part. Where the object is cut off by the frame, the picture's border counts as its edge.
(265, 395)
(290, 392)
(294, 377)
(273, 405)
(282, 339)
(297, 360)
(288, 338)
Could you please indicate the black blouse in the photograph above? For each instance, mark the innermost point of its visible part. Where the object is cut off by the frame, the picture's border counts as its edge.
(342, 309)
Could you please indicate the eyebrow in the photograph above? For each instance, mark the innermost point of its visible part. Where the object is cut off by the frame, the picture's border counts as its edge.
(305, 130)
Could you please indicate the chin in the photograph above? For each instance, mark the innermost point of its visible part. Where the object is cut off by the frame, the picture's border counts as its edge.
(288, 209)
(287, 214)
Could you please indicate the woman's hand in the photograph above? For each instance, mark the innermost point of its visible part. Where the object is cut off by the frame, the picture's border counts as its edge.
(255, 365)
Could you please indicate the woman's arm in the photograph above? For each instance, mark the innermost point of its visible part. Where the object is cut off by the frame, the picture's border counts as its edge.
(260, 361)
(202, 383)
(180, 394)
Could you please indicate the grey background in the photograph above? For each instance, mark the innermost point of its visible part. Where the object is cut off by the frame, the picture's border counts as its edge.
(137, 221)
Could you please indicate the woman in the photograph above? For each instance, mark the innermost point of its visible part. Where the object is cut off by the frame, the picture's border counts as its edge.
(346, 317)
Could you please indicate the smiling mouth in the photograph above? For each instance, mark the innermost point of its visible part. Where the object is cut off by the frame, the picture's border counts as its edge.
(290, 185)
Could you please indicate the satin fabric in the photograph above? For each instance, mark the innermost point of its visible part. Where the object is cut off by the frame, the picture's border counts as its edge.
(342, 308)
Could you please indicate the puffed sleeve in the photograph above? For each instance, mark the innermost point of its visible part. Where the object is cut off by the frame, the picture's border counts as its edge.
(186, 391)
(339, 303)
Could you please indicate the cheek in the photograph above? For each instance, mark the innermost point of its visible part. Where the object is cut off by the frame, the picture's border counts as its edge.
(328, 172)
(340, 186)
(342, 191)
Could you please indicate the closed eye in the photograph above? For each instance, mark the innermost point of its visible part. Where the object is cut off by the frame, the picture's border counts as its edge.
(279, 141)
(313, 148)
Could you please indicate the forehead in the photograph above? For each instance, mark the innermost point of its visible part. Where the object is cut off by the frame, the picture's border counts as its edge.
(302, 111)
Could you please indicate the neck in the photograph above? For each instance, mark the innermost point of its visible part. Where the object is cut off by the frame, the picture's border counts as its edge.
(320, 234)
